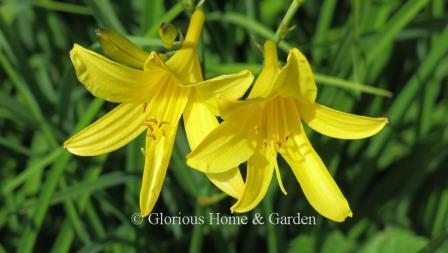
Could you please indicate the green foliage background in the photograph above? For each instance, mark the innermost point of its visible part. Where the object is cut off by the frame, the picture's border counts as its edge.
(396, 182)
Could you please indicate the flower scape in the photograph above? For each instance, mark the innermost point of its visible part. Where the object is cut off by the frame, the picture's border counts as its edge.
(153, 94)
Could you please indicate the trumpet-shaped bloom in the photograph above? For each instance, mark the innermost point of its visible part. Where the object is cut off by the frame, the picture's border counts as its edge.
(153, 95)
(269, 122)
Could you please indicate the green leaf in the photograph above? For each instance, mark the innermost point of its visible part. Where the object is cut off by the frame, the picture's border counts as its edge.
(394, 239)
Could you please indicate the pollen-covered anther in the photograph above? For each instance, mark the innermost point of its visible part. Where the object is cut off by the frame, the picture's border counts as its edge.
(265, 142)
(152, 136)
(287, 136)
(161, 123)
(276, 141)
(156, 129)
(257, 129)
(279, 143)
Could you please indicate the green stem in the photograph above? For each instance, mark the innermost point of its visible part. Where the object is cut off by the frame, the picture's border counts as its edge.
(64, 7)
(283, 27)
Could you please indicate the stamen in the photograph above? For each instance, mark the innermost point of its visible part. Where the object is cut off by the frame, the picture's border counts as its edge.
(279, 178)
(287, 135)
(257, 129)
(279, 144)
(163, 123)
(150, 127)
(156, 129)
(152, 136)
(274, 138)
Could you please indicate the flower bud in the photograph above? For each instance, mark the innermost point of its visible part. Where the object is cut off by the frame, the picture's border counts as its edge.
(168, 34)
(120, 49)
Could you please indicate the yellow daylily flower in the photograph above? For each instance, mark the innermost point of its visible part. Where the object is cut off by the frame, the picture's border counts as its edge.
(269, 122)
(153, 98)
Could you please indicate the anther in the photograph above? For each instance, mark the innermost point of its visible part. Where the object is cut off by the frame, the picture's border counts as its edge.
(150, 127)
(279, 144)
(287, 135)
(151, 121)
(152, 136)
(163, 123)
(257, 129)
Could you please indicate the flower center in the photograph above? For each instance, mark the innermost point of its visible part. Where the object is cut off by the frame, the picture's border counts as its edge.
(156, 129)
(276, 141)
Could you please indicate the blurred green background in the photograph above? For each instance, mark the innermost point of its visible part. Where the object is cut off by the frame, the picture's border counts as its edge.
(396, 182)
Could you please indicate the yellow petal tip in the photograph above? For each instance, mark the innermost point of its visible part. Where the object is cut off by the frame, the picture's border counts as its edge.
(344, 215)
(144, 212)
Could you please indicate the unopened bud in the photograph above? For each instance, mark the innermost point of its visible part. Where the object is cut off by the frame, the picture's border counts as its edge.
(168, 34)
(120, 49)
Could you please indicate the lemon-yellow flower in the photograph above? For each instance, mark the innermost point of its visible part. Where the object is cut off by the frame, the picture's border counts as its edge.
(269, 122)
(153, 98)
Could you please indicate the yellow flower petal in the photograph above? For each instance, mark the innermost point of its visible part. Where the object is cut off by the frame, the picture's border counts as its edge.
(185, 62)
(111, 81)
(231, 86)
(185, 65)
(296, 79)
(195, 28)
(167, 108)
(230, 182)
(157, 157)
(266, 79)
(230, 144)
(112, 131)
(260, 168)
(316, 182)
(338, 124)
(199, 121)
(229, 108)
(120, 49)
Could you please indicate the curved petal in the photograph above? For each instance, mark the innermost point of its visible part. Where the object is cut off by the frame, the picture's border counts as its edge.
(114, 82)
(265, 82)
(120, 49)
(185, 65)
(230, 144)
(157, 157)
(260, 168)
(296, 79)
(338, 124)
(199, 121)
(229, 108)
(112, 131)
(168, 108)
(232, 86)
(316, 182)
(230, 182)
(266, 78)
(195, 27)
